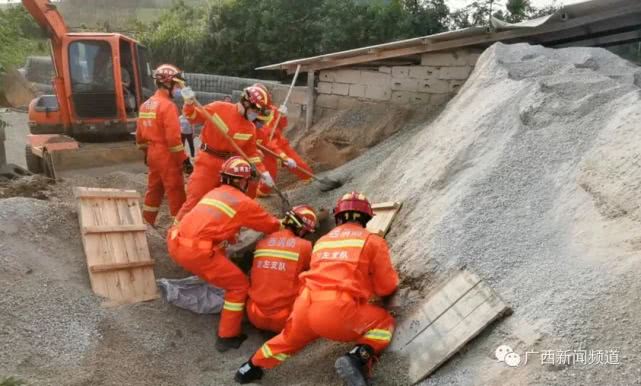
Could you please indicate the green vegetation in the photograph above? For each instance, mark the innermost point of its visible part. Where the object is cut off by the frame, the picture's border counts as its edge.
(11, 381)
(20, 37)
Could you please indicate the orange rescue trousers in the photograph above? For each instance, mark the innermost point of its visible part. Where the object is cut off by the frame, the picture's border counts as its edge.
(210, 264)
(164, 176)
(268, 321)
(328, 314)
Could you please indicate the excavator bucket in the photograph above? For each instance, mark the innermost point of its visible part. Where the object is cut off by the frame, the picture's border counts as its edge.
(56, 155)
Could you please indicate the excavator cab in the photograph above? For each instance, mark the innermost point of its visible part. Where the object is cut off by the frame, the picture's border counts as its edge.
(100, 81)
(105, 78)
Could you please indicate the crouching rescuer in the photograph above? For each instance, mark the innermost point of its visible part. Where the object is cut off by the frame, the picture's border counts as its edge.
(349, 265)
(278, 260)
(158, 134)
(198, 243)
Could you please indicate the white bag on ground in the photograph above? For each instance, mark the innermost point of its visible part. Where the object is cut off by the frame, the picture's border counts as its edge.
(193, 294)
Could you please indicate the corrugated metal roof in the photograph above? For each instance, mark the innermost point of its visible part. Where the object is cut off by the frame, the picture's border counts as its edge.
(576, 16)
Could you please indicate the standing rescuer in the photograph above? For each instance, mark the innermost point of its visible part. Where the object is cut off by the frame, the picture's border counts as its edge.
(349, 265)
(158, 134)
(215, 148)
(276, 120)
(278, 260)
(197, 243)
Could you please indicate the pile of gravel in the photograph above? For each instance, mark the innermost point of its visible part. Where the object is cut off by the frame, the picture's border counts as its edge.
(529, 178)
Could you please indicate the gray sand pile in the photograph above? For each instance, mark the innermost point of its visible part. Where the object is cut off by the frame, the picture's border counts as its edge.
(529, 177)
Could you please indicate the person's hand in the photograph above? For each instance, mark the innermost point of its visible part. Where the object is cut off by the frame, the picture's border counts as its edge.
(188, 94)
(266, 178)
(291, 163)
(282, 109)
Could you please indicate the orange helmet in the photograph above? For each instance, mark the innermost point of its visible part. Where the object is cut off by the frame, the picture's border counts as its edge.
(259, 98)
(168, 74)
(304, 217)
(353, 202)
(236, 167)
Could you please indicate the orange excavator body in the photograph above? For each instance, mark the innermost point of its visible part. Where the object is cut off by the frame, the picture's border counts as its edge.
(100, 80)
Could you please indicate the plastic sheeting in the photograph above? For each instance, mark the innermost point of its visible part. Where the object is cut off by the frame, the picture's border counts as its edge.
(193, 294)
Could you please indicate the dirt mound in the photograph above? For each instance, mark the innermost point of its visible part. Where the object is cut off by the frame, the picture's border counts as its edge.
(35, 186)
(343, 136)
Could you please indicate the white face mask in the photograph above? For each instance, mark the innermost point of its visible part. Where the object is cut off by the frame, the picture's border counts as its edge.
(251, 116)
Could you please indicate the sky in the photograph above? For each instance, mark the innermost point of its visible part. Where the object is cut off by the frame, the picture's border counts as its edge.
(455, 4)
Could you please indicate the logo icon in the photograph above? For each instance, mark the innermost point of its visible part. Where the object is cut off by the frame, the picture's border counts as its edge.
(504, 353)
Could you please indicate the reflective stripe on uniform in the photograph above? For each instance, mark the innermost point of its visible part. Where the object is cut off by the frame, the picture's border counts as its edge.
(349, 243)
(177, 148)
(267, 353)
(242, 137)
(220, 123)
(228, 210)
(378, 334)
(254, 160)
(147, 115)
(149, 208)
(231, 306)
(278, 253)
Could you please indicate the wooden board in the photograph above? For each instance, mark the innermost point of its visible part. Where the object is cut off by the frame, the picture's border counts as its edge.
(384, 214)
(457, 312)
(120, 266)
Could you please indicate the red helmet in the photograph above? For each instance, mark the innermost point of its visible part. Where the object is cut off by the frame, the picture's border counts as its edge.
(304, 217)
(261, 86)
(257, 97)
(236, 167)
(353, 202)
(167, 74)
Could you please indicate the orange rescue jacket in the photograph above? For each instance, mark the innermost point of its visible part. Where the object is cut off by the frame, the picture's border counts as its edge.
(222, 212)
(158, 127)
(351, 259)
(241, 130)
(278, 260)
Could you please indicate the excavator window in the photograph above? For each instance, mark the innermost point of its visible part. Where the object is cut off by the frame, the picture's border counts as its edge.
(92, 79)
(145, 70)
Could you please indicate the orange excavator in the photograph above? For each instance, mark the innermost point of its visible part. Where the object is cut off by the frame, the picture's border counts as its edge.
(100, 80)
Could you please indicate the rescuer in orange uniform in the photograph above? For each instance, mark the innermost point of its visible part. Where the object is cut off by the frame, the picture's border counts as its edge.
(158, 134)
(197, 243)
(278, 144)
(349, 265)
(278, 260)
(216, 148)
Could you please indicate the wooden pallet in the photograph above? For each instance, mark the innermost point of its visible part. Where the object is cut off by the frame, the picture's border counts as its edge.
(384, 215)
(113, 235)
(445, 322)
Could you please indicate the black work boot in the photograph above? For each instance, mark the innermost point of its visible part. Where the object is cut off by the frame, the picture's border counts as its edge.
(353, 366)
(224, 344)
(248, 373)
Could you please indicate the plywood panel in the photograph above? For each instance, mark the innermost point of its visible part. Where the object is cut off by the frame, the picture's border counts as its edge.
(118, 258)
(440, 327)
(384, 214)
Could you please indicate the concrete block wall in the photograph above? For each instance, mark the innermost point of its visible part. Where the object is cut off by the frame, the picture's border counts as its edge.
(432, 83)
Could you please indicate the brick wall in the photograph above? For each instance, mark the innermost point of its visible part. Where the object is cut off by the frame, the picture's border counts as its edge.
(432, 83)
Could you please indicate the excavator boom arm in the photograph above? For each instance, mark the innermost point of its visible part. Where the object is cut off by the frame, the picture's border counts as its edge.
(47, 16)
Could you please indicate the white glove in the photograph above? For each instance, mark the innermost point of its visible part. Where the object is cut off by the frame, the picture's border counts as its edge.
(187, 94)
(282, 109)
(266, 178)
(291, 163)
